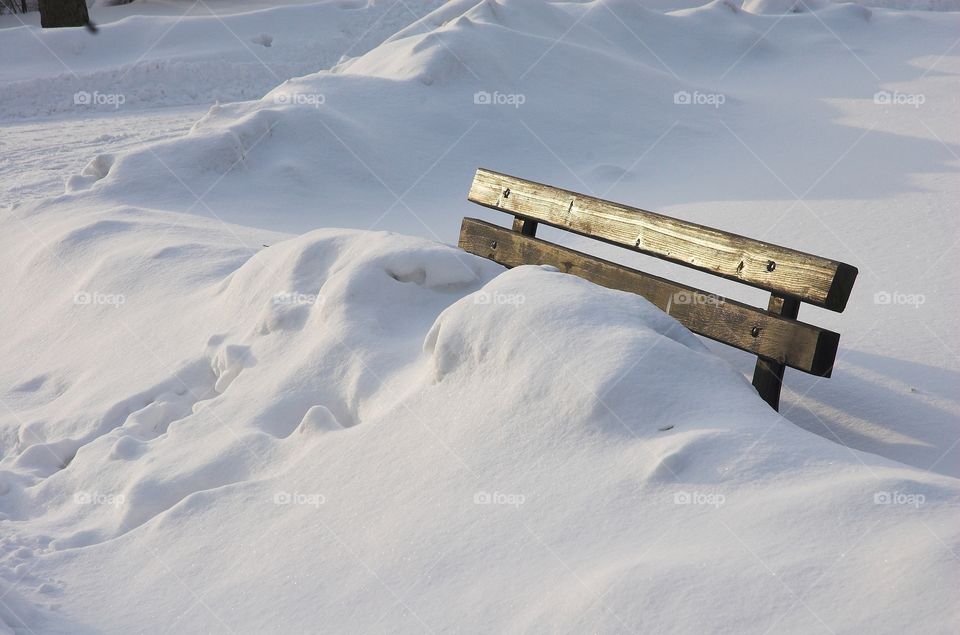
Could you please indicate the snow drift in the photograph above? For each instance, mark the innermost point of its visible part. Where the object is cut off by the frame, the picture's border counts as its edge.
(216, 426)
(794, 155)
(422, 441)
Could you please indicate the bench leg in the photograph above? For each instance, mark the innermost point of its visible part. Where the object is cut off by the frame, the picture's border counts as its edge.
(525, 227)
(767, 375)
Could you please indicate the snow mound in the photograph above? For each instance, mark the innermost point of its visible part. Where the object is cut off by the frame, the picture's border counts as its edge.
(380, 433)
(346, 397)
(402, 126)
(466, 86)
(688, 110)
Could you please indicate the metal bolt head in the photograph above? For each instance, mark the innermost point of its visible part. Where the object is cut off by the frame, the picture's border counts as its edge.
(755, 331)
(506, 193)
(771, 265)
(493, 244)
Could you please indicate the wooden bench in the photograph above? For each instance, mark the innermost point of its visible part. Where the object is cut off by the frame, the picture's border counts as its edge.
(774, 335)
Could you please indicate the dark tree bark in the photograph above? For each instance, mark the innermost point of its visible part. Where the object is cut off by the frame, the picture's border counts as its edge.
(58, 13)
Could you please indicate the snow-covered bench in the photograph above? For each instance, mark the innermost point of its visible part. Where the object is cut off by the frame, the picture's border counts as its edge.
(774, 335)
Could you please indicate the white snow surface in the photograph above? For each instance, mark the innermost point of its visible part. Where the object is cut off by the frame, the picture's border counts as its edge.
(220, 413)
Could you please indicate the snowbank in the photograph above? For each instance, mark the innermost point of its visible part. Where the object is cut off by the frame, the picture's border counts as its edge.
(720, 116)
(377, 433)
(212, 425)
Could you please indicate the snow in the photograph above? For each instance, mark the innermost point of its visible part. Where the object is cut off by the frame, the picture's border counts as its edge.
(198, 53)
(36, 158)
(221, 413)
(355, 397)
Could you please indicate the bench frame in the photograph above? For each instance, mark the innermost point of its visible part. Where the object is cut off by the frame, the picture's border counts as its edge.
(773, 334)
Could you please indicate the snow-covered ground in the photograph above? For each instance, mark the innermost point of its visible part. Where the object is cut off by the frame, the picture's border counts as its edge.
(221, 413)
(36, 157)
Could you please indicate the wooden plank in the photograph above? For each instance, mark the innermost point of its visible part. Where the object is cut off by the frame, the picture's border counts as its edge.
(784, 271)
(768, 375)
(795, 344)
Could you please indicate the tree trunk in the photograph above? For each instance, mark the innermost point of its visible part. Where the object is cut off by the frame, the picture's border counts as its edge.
(58, 13)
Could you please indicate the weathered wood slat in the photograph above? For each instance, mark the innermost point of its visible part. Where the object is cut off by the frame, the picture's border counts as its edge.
(768, 375)
(820, 281)
(795, 344)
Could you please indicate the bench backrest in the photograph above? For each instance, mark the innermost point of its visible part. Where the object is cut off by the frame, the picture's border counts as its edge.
(791, 276)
